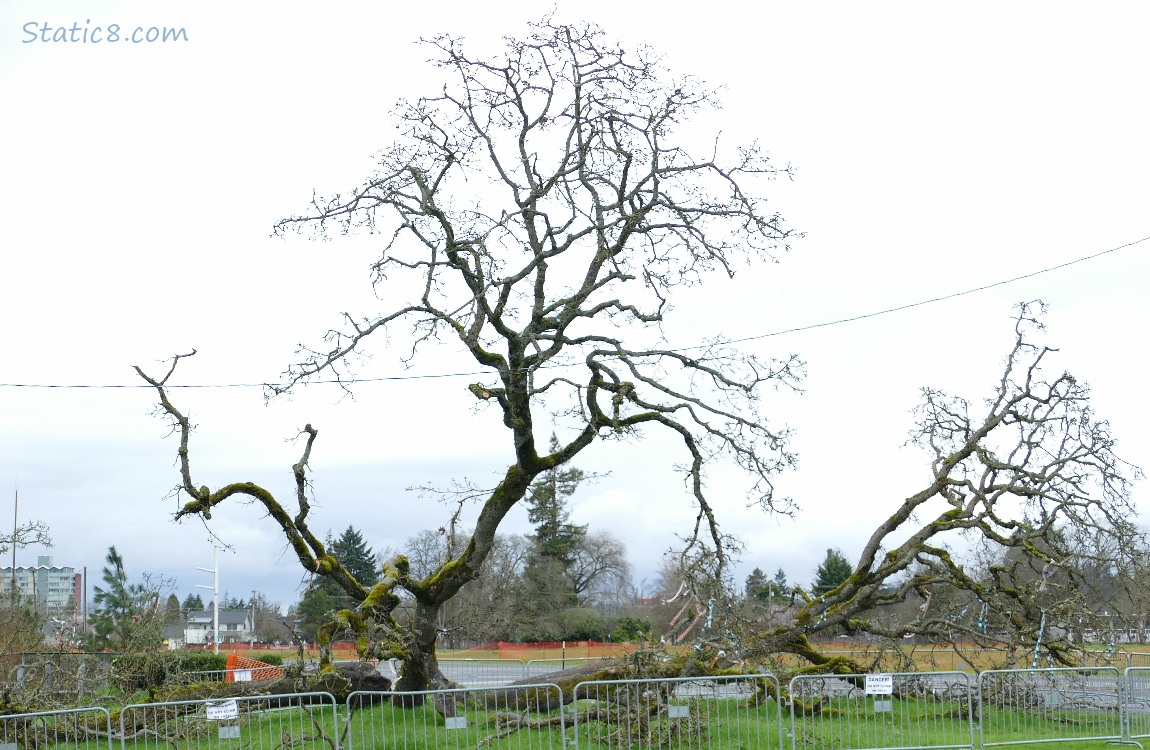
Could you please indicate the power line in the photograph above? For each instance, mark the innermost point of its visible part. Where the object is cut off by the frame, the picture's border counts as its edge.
(798, 329)
(943, 298)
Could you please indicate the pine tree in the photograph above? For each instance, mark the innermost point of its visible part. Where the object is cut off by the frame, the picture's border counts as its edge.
(756, 587)
(780, 588)
(780, 582)
(546, 589)
(172, 610)
(547, 510)
(127, 614)
(833, 570)
(325, 595)
(351, 549)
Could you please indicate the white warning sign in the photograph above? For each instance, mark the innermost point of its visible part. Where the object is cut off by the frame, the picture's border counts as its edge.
(879, 684)
(222, 710)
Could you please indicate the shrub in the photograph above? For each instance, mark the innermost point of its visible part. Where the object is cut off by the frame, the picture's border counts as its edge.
(152, 670)
(194, 660)
(142, 671)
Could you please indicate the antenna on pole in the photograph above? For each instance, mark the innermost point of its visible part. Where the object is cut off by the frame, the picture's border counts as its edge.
(215, 587)
(15, 517)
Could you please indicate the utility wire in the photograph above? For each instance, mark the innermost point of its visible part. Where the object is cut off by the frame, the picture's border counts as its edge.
(811, 327)
(943, 298)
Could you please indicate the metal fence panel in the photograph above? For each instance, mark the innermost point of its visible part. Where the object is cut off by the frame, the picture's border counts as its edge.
(482, 673)
(302, 721)
(895, 710)
(1136, 702)
(76, 674)
(691, 712)
(500, 718)
(535, 667)
(1024, 706)
(73, 729)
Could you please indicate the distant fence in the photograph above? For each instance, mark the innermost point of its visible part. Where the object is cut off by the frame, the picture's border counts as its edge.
(482, 673)
(933, 710)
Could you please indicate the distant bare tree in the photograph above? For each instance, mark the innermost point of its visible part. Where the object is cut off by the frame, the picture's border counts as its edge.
(537, 210)
(599, 567)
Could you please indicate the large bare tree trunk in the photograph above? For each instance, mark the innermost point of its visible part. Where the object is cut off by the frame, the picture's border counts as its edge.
(421, 670)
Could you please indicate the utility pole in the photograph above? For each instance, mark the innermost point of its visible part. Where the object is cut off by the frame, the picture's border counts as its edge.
(215, 587)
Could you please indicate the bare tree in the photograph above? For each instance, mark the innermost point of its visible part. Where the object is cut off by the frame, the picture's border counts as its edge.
(599, 566)
(1032, 478)
(535, 211)
(24, 535)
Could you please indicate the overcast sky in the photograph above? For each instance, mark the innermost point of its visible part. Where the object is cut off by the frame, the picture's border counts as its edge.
(938, 147)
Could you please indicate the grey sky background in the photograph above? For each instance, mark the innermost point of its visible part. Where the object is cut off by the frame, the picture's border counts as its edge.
(939, 148)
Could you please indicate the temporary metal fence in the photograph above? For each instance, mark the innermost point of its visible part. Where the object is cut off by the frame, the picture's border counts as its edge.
(510, 718)
(481, 673)
(247, 674)
(703, 712)
(64, 682)
(304, 720)
(1029, 706)
(896, 710)
(847, 712)
(1136, 702)
(536, 667)
(74, 729)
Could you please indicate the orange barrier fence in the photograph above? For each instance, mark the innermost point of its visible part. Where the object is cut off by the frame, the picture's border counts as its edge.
(245, 668)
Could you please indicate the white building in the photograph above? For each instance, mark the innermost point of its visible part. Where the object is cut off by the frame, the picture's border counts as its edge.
(235, 627)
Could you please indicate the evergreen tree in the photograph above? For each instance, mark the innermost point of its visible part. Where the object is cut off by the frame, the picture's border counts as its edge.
(547, 510)
(324, 595)
(780, 588)
(780, 583)
(756, 587)
(127, 614)
(833, 570)
(351, 549)
(315, 608)
(172, 610)
(193, 603)
(546, 590)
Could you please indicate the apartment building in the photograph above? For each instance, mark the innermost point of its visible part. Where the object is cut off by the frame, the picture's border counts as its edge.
(54, 589)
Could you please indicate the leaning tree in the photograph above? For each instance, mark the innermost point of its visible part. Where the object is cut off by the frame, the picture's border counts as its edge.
(540, 212)
(1018, 539)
